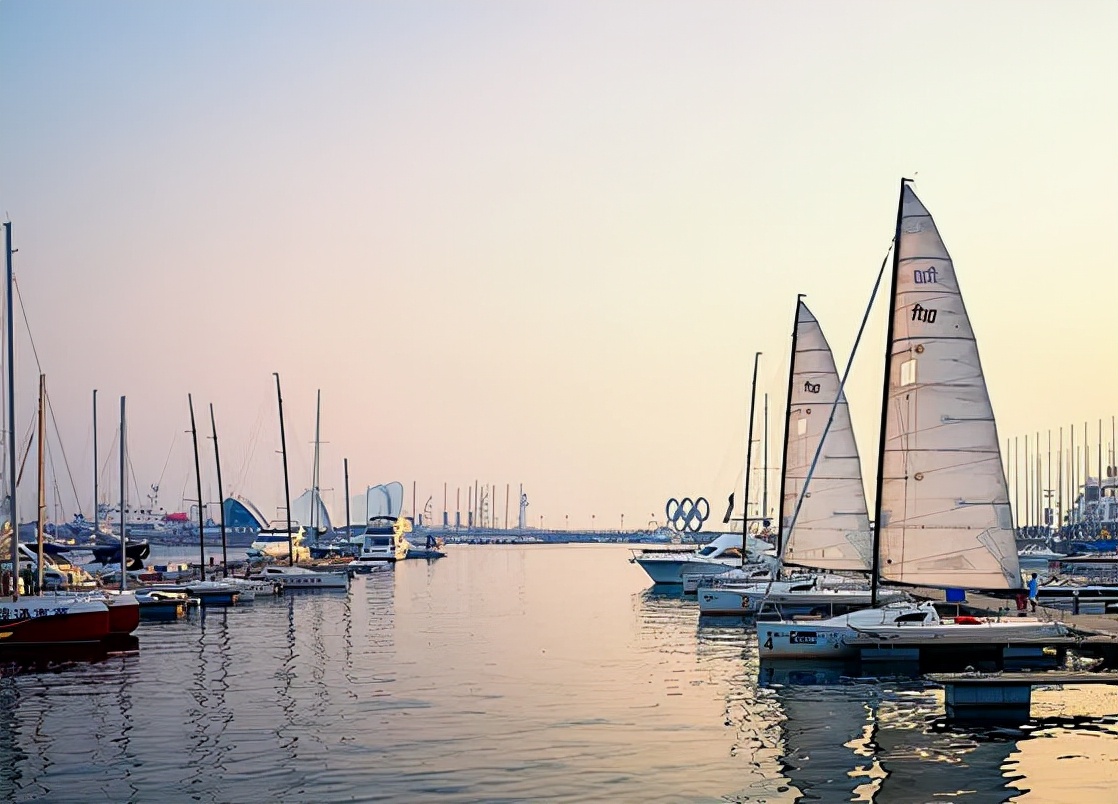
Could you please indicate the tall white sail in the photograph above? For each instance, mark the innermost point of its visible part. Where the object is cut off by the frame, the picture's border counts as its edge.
(944, 511)
(309, 510)
(832, 528)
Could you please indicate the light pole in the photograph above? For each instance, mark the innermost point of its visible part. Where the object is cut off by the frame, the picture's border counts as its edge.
(591, 522)
(623, 521)
(567, 521)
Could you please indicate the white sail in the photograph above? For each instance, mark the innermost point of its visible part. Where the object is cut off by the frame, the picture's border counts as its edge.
(832, 528)
(944, 510)
(309, 511)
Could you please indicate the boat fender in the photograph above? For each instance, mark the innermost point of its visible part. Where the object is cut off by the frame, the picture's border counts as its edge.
(965, 620)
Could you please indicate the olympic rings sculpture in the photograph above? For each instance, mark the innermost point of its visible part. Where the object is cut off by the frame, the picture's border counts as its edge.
(687, 515)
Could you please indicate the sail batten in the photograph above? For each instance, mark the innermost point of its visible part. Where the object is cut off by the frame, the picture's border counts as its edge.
(944, 512)
(830, 530)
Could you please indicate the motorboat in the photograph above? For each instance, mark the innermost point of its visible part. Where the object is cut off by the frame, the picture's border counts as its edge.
(159, 604)
(303, 578)
(278, 543)
(718, 556)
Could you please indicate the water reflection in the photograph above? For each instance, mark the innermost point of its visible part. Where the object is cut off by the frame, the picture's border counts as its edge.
(510, 673)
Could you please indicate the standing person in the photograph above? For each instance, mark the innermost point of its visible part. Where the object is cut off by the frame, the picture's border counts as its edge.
(1032, 591)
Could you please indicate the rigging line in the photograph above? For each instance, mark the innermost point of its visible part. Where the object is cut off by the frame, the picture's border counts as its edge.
(62, 449)
(105, 464)
(839, 395)
(27, 325)
(26, 452)
(166, 462)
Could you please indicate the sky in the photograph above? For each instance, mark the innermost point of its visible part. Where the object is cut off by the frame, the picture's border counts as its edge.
(531, 243)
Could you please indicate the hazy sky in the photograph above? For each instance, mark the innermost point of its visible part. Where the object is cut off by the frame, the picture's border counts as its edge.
(534, 242)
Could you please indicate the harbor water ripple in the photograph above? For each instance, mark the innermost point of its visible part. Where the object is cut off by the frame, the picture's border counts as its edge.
(512, 673)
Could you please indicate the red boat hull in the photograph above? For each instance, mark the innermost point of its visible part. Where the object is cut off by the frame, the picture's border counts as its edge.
(124, 615)
(54, 629)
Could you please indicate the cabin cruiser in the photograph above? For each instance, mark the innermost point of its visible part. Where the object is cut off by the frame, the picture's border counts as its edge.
(719, 556)
(302, 578)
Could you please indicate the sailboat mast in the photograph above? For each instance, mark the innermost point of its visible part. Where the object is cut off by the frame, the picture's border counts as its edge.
(286, 482)
(345, 468)
(123, 500)
(748, 463)
(314, 479)
(787, 418)
(11, 416)
(220, 493)
(42, 519)
(885, 400)
(96, 514)
(198, 480)
(765, 465)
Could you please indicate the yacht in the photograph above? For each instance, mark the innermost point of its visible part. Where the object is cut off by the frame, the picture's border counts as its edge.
(719, 556)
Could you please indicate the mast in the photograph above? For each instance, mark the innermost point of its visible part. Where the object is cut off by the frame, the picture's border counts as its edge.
(42, 519)
(198, 480)
(345, 468)
(885, 400)
(123, 500)
(12, 416)
(787, 417)
(220, 494)
(765, 465)
(748, 462)
(286, 482)
(96, 513)
(314, 477)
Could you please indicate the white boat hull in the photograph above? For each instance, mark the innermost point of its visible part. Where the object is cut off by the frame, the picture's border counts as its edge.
(844, 637)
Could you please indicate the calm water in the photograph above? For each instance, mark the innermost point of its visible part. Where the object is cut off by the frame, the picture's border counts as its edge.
(505, 673)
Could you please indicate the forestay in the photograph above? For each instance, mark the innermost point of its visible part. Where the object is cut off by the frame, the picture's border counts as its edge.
(944, 511)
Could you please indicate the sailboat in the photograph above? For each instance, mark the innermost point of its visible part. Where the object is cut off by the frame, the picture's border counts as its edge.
(824, 523)
(943, 516)
(36, 620)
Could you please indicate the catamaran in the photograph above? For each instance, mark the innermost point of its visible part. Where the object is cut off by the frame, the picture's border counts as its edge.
(943, 516)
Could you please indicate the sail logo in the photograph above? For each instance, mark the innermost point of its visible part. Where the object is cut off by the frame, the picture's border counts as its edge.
(926, 277)
(811, 387)
(921, 313)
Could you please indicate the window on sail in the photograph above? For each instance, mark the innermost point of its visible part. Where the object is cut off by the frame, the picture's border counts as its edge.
(908, 372)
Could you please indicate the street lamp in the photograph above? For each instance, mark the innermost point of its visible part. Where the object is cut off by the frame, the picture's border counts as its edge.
(567, 521)
(591, 522)
(623, 521)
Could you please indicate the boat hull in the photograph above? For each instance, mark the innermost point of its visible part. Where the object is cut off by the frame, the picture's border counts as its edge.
(43, 621)
(124, 613)
(838, 639)
(672, 570)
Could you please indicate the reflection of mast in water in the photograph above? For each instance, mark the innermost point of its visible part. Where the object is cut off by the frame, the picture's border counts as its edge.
(210, 716)
(828, 727)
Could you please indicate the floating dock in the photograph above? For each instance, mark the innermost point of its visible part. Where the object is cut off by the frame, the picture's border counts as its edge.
(1002, 698)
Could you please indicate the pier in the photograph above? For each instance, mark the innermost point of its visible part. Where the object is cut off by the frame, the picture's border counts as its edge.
(1002, 698)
